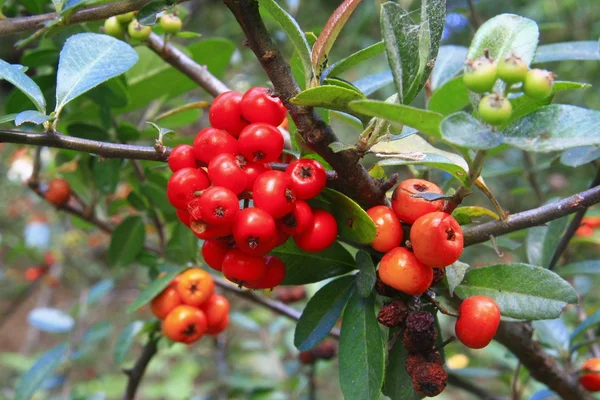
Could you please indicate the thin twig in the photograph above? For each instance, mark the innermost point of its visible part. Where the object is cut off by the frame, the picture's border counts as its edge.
(136, 374)
(439, 305)
(475, 19)
(532, 177)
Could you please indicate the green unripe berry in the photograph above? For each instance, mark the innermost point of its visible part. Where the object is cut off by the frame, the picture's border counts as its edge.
(512, 69)
(494, 109)
(138, 31)
(480, 75)
(538, 84)
(126, 18)
(170, 23)
(114, 28)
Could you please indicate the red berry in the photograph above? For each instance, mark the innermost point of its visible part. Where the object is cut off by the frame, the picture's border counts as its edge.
(479, 317)
(59, 192)
(253, 171)
(437, 239)
(183, 184)
(225, 113)
(281, 238)
(261, 143)
(215, 330)
(215, 309)
(225, 170)
(400, 269)
(219, 206)
(184, 216)
(182, 156)
(297, 221)
(211, 142)
(591, 378)
(389, 231)
(274, 274)
(320, 235)
(242, 268)
(309, 177)
(408, 208)
(274, 193)
(205, 231)
(214, 252)
(259, 106)
(254, 231)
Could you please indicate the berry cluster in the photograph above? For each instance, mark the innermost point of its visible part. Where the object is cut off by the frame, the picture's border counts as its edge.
(227, 164)
(189, 307)
(125, 24)
(481, 75)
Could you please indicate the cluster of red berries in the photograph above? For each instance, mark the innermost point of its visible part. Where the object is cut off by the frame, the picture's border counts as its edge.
(228, 163)
(189, 307)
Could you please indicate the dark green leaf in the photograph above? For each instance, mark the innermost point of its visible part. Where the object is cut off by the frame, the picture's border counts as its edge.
(449, 98)
(362, 351)
(106, 174)
(127, 132)
(155, 288)
(450, 61)
(372, 83)
(31, 116)
(111, 93)
(25, 84)
(7, 118)
(366, 278)
(303, 267)
(329, 96)
(126, 340)
(455, 274)
(398, 384)
(590, 322)
(33, 379)
(522, 291)
(341, 83)
(322, 312)
(543, 240)
(582, 50)
(157, 196)
(580, 156)
(39, 57)
(126, 241)
(589, 267)
(464, 130)
(87, 131)
(183, 245)
(353, 60)
(465, 215)
(137, 201)
(148, 14)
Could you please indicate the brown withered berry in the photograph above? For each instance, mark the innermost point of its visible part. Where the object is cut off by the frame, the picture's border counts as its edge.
(420, 333)
(325, 350)
(438, 275)
(429, 379)
(416, 360)
(392, 314)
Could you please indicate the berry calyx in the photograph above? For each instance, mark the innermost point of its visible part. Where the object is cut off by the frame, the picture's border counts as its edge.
(58, 192)
(184, 324)
(389, 231)
(400, 269)
(218, 206)
(226, 170)
(242, 268)
(113, 27)
(138, 31)
(195, 286)
(165, 302)
(309, 177)
(226, 113)
(170, 23)
(478, 321)
(254, 231)
(298, 220)
(408, 208)
(494, 109)
(211, 142)
(183, 184)
(320, 234)
(512, 69)
(538, 84)
(261, 143)
(274, 275)
(590, 380)
(274, 193)
(437, 239)
(182, 156)
(259, 106)
(480, 74)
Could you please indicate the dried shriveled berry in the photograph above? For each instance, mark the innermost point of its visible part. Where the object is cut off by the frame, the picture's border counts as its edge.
(420, 333)
(416, 360)
(429, 379)
(438, 275)
(392, 314)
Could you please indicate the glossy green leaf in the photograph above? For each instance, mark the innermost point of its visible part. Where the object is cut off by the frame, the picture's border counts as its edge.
(543, 240)
(450, 61)
(455, 274)
(424, 121)
(183, 245)
(87, 60)
(353, 60)
(341, 83)
(303, 267)
(106, 174)
(329, 96)
(398, 384)
(362, 351)
(322, 312)
(366, 278)
(25, 84)
(33, 379)
(126, 340)
(580, 156)
(127, 241)
(155, 288)
(465, 215)
(580, 50)
(464, 130)
(590, 322)
(522, 291)
(31, 116)
(371, 83)
(148, 14)
(589, 267)
(450, 98)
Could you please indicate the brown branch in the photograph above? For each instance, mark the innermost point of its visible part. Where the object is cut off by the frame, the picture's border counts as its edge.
(475, 19)
(136, 374)
(354, 180)
(470, 387)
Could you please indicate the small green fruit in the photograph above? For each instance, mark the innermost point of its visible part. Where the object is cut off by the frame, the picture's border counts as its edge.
(480, 75)
(538, 84)
(126, 18)
(138, 31)
(512, 69)
(170, 23)
(494, 109)
(113, 28)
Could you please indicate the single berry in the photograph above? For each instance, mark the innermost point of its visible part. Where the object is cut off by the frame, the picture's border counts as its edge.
(258, 106)
(126, 18)
(538, 84)
(138, 31)
(420, 333)
(389, 231)
(309, 177)
(290, 294)
(113, 27)
(165, 302)
(226, 170)
(298, 220)
(184, 324)
(58, 192)
(416, 360)
(512, 69)
(181, 157)
(195, 286)
(226, 113)
(437, 239)
(385, 290)
(274, 193)
(183, 184)
(170, 23)
(242, 268)
(280, 239)
(392, 314)
(494, 109)
(215, 309)
(590, 379)
(480, 75)
(215, 330)
(261, 143)
(400, 269)
(253, 170)
(254, 231)
(218, 206)
(205, 231)
(214, 252)
(320, 235)
(307, 357)
(274, 275)
(479, 317)
(409, 208)
(429, 379)
(211, 142)
(325, 350)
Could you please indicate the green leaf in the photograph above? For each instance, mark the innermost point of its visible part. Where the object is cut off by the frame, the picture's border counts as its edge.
(127, 241)
(398, 384)
(414, 150)
(294, 33)
(32, 116)
(157, 196)
(33, 379)
(328, 96)
(126, 340)
(450, 61)
(99, 290)
(87, 131)
(302, 267)
(590, 322)
(450, 98)
(362, 351)
(589, 267)
(106, 174)
(465, 215)
(353, 60)
(371, 83)
(111, 93)
(36, 58)
(188, 35)
(464, 130)
(7, 118)
(127, 132)
(581, 50)
(543, 240)
(322, 312)
(411, 49)
(341, 83)
(424, 121)
(580, 156)
(553, 128)
(455, 274)
(87, 60)
(155, 288)
(183, 245)
(149, 13)
(366, 278)
(25, 84)
(522, 291)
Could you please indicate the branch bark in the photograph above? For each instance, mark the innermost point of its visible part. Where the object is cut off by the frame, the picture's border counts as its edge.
(136, 374)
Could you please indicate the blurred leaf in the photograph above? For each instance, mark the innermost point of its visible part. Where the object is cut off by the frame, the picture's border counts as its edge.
(372, 83)
(302, 267)
(87, 131)
(126, 241)
(111, 93)
(96, 333)
(590, 322)
(475, 372)
(464, 130)
(43, 368)
(99, 290)
(36, 58)
(553, 333)
(398, 384)
(542, 241)
(162, 132)
(366, 278)
(87, 60)
(322, 312)
(127, 132)
(362, 351)
(580, 156)
(157, 197)
(106, 174)
(186, 107)
(522, 291)
(353, 60)
(465, 215)
(183, 245)
(7, 118)
(148, 14)
(543, 394)
(126, 340)
(25, 84)
(154, 288)
(582, 50)
(339, 146)
(589, 267)
(450, 97)
(455, 274)
(137, 201)
(328, 96)
(450, 61)
(32, 116)
(188, 35)
(50, 320)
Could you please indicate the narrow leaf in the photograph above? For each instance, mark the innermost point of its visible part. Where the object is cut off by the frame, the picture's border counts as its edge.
(32, 116)
(465, 215)
(353, 60)
(581, 50)
(127, 241)
(154, 289)
(33, 379)
(590, 322)
(589, 267)
(366, 278)
(25, 84)
(126, 340)
(329, 96)
(543, 240)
